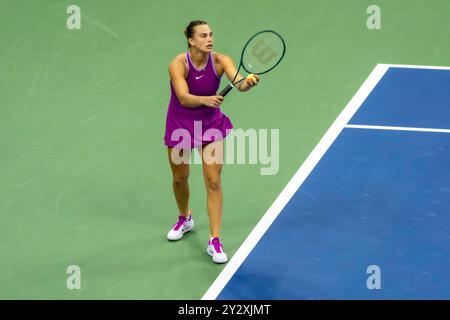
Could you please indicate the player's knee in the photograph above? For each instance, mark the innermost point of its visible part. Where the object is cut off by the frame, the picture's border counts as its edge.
(213, 184)
(180, 178)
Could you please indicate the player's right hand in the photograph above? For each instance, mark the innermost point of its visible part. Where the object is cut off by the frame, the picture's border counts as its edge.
(212, 101)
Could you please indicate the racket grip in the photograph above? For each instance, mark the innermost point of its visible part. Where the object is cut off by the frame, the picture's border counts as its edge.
(225, 91)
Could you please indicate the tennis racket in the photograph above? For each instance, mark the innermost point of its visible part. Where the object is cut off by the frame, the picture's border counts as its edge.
(261, 53)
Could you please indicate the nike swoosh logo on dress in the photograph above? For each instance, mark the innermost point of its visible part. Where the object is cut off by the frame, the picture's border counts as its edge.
(198, 77)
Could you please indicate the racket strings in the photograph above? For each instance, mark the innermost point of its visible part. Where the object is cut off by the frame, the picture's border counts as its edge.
(263, 53)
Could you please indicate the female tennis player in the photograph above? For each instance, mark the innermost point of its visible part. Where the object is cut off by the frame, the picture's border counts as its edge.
(194, 80)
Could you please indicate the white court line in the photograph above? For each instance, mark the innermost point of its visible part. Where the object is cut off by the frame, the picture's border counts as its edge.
(299, 177)
(408, 66)
(360, 126)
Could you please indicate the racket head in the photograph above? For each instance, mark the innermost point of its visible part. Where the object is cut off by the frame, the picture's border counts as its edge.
(263, 52)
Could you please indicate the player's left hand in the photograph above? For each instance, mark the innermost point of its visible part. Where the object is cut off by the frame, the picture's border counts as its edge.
(252, 80)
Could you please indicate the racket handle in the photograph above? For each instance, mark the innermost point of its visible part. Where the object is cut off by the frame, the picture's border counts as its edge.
(227, 89)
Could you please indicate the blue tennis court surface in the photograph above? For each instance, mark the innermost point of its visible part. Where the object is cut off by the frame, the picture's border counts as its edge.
(378, 197)
(408, 97)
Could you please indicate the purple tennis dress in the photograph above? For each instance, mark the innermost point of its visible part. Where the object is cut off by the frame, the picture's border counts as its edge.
(186, 126)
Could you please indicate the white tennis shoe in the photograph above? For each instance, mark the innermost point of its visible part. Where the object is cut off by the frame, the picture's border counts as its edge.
(182, 226)
(215, 250)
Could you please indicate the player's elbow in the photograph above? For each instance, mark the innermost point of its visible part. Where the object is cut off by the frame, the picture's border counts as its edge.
(184, 100)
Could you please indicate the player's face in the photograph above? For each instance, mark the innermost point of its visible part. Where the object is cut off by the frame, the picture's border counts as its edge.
(202, 39)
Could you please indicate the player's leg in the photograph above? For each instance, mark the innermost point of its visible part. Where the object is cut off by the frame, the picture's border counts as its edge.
(180, 185)
(212, 161)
